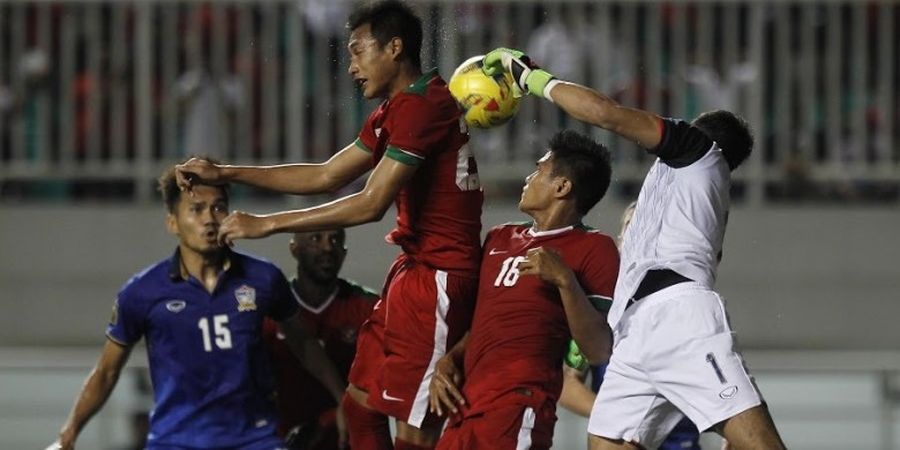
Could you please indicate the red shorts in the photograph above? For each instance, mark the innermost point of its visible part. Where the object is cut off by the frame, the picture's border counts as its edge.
(423, 313)
(508, 426)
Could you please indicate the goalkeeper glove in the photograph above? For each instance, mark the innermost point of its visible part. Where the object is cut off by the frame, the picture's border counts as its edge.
(528, 76)
(574, 358)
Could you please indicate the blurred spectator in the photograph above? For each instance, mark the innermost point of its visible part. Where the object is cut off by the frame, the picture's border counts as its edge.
(209, 101)
(719, 89)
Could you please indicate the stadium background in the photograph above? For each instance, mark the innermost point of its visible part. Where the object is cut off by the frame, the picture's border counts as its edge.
(97, 97)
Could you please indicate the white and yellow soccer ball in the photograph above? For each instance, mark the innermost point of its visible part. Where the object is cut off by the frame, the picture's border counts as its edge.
(486, 101)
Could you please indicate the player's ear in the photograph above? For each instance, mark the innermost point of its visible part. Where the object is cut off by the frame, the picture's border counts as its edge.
(171, 223)
(395, 47)
(562, 186)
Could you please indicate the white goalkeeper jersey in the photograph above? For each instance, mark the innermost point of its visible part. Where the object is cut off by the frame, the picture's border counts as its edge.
(679, 221)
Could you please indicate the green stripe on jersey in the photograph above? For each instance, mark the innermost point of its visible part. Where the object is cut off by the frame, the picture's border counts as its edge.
(360, 289)
(600, 303)
(359, 143)
(404, 157)
(421, 84)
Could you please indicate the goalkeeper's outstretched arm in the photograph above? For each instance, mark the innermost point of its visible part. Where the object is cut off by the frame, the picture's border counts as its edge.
(580, 102)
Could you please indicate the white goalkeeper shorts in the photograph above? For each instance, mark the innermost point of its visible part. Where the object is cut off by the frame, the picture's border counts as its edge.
(674, 354)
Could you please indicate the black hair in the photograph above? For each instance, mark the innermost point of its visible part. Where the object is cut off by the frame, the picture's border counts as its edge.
(389, 19)
(586, 163)
(730, 131)
(171, 193)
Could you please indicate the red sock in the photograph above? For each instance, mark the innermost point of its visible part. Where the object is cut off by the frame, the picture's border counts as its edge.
(403, 445)
(368, 428)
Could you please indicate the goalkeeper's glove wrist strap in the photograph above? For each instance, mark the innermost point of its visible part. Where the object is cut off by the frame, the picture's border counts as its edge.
(549, 87)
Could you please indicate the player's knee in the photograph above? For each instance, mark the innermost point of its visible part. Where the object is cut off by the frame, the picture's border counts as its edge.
(751, 429)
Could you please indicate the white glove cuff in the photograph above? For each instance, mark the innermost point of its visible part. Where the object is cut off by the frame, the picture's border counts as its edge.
(549, 87)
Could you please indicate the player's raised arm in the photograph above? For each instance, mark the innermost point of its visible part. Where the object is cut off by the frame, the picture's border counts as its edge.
(341, 169)
(368, 205)
(582, 103)
(97, 388)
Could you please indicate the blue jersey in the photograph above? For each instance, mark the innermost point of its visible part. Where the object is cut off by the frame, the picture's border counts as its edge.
(213, 386)
(684, 436)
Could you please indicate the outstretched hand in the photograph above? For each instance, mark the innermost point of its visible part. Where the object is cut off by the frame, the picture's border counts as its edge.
(197, 171)
(528, 77)
(443, 391)
(241, 225)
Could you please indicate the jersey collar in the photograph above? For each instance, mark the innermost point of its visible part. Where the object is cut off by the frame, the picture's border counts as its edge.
(308, 307)
(177, 271)
(534, 233)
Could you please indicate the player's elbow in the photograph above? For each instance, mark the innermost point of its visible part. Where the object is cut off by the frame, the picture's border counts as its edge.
(598, 357)
(373, 206)
(599, 350)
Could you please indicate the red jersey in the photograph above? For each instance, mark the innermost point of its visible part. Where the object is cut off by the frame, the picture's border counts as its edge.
(301, 398)
(439, 209)
(519, 333)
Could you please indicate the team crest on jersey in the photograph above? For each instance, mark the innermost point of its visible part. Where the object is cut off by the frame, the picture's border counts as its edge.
(176, 306)
(246, 298)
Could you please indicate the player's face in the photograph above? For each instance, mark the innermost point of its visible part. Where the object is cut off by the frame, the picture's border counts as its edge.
(320, 254)
(197, 218)
(539, 186)
(372, 65)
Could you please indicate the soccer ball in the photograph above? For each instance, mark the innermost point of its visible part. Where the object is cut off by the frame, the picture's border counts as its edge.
(486, 101)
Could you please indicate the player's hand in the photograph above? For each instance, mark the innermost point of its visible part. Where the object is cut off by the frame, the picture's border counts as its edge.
(528, 76)
(241, 225)
(197, 171)
(576, 360)
(443, 391)
(58, 445)
(340, 422)
(548, 265)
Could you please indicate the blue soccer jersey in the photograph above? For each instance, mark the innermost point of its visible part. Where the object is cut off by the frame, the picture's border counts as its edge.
(213, 386)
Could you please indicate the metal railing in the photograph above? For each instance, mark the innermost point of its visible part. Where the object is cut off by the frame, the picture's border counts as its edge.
(114, 90)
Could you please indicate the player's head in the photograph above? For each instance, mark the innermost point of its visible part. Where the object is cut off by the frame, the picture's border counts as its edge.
(730, 131)
(194, 217)
(384, 36)
(576, 168)
(627, 214)
(319, 254)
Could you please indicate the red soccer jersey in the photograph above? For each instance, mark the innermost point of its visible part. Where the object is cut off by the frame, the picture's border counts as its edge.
(439, 209)
(519, 333)
(301, 398)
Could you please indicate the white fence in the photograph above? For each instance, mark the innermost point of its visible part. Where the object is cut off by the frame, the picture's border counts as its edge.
(115, 90)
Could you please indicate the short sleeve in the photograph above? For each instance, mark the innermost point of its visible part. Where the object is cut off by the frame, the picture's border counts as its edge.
(367, 139)
(283, 303)
(682, 144)
(598, 276)
(127, 322)
(417, 126)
